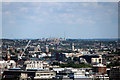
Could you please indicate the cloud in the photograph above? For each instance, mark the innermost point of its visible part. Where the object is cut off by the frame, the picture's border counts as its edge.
(85, 21)
(70, 13)
(92, 5)
(24, 9)
(6, 3)
(11, 22)
(80, 21)
(69, 10)
(65, 15)
(30, 17)
(58, 16)
(51, 9)
(91, 21)
(111, 11)
(8, 13)
(85, 4)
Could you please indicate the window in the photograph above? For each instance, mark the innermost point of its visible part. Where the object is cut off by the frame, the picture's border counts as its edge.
(37, 74)
(99, 60)
(96, 60)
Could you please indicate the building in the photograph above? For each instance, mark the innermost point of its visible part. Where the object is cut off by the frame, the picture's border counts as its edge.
(73, 48)
(80, 74)
(114, 73)
(8, 55)
(61, 57)
(44, 75)
(33, 64)
(46, 48)
(34, 49)
(6, 65)
(99, 68)
(91, 59)
(73, 73)
(18, 74)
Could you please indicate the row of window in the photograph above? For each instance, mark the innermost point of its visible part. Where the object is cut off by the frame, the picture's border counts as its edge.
(44, 74)
(34, 65)
(97, 60)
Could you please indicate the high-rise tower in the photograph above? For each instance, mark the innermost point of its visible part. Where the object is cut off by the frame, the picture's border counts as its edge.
(46, 48)
(73, 48)
(8, 54)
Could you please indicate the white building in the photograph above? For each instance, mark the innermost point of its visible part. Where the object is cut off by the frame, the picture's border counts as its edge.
(6, 65)
(34, 49)
(46, 48)
(92, 59)
(36, 65)
(79, 74)
(44, 75)
(97, 60)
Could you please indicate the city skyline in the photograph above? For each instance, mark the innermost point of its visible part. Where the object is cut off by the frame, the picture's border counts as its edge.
(81, 20)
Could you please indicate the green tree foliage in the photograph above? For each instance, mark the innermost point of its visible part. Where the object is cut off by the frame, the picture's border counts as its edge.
(76, 58)
(113, 64)
(62, 51)
(73, 65)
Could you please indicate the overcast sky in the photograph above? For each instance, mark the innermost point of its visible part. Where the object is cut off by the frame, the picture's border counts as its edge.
(52, 19)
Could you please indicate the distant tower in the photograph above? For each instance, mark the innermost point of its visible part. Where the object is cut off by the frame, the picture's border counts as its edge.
(46, 48)
(73, 48)
(64, 39)
(39, 49)
(0, 52)
(8, 54)
(64, 36)
(56, 46)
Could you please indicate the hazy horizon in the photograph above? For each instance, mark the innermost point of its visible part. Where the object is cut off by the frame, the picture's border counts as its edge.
(61, 38)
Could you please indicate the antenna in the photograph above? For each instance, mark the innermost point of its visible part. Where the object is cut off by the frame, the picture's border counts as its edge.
(64, 35)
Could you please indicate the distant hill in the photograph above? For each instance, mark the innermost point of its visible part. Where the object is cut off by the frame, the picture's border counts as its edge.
(112, 39)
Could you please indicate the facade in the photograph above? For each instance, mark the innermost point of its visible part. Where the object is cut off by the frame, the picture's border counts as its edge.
(36, 64)
(6, 64)
(73, 73)
(79, 74)
(18, 75)
(34, 49)
(97, 60)
(92, 59)
(99, 69)
(73, 48)
(46, 48)
(27, 75)
(114, 73)
(44, 75)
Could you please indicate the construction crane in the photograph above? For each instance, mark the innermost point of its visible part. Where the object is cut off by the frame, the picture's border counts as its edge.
(20, 57)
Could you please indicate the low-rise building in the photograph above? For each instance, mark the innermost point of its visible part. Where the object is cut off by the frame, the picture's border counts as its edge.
(91, 59)
(27, 75)
(32, 64)
(114, 73)
(44, 75)
(6, 65)
(99, 68)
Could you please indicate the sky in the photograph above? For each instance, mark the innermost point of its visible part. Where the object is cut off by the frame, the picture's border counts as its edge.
(76, 20)
(0, 20)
